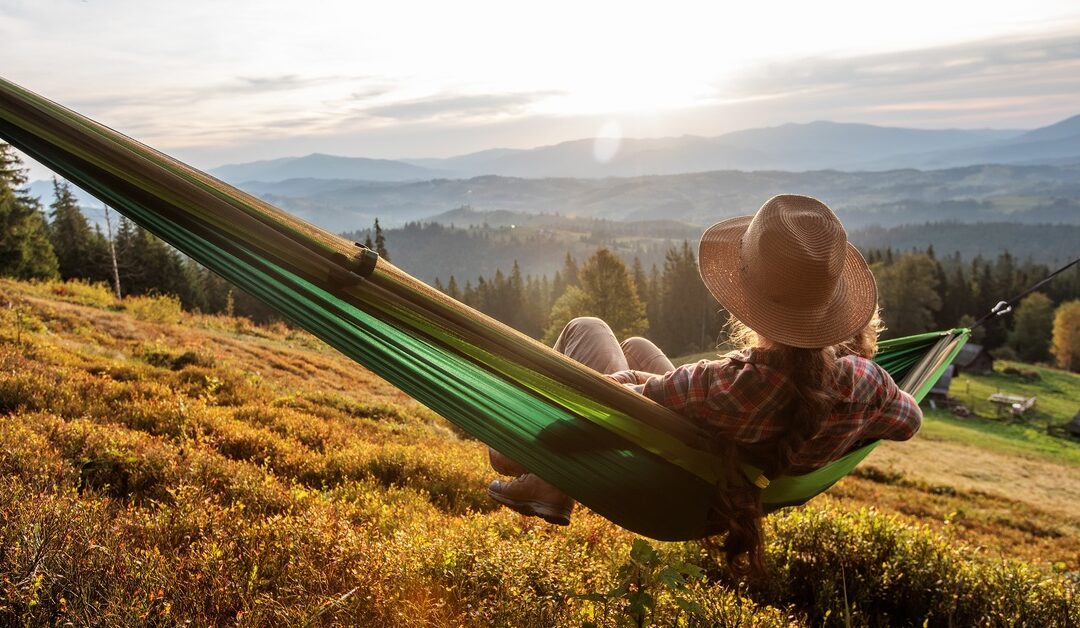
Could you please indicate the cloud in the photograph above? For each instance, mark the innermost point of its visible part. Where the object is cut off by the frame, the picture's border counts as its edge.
(270, 84)
(227, 89)
(997, 79)
(458, 106)
(985, 58)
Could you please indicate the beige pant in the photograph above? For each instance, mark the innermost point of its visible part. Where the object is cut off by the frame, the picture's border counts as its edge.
(590, 341)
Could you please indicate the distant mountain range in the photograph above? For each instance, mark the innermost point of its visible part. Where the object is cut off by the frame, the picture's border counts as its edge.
(871, 175)
(1027, 194)
(790, 147)
(319, 166)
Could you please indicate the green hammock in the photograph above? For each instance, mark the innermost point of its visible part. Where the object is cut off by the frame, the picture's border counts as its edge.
(630, 460)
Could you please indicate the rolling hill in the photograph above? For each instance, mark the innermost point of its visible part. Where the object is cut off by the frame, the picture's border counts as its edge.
(161, 468)
(1025, 194)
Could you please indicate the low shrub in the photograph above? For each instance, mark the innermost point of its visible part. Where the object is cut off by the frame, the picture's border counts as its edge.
(154, 308)
(98, 295)
(877, 570)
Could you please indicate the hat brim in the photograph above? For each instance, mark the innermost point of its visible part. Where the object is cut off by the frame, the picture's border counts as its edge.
(848, 310)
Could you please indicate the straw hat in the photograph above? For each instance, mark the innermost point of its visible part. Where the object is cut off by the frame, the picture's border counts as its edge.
(789, 273)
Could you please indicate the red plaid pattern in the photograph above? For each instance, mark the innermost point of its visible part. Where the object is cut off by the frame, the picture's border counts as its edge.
(741, 396)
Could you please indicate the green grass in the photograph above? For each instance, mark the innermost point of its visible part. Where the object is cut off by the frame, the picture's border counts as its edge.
(1058, 395)
(994, 435)
(1058, 391)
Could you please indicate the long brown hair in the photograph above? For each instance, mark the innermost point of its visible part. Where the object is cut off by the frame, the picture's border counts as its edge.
(737, 507)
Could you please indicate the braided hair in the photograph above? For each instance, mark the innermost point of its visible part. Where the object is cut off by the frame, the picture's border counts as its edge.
(736, 513)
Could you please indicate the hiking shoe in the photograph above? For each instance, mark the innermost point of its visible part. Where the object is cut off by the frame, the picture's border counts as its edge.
(504, 465)
(531, 496)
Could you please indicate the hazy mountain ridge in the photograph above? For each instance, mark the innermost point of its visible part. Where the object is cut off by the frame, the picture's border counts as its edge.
(1027, 194)
(794, 147)
(320, 166)
(1055, 144)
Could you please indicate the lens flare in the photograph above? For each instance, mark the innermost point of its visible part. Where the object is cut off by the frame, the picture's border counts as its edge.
(606, 144)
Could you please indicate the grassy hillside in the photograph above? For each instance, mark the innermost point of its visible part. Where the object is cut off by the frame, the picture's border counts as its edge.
(158, 467)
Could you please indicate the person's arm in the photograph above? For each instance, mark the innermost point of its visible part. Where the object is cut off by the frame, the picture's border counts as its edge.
(899, 416)
(733, 397)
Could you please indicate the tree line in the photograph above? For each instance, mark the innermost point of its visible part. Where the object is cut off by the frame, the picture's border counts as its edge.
(58, 242)
(918, 290)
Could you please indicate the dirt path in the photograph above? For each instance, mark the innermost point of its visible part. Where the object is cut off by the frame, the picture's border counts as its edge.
(1043, 484)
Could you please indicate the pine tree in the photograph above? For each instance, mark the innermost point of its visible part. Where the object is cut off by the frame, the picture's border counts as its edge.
(605, 291)
(956, 300)
(641, 285)
(653, 301)
(452, 290)
(380, 242)
(689, 319)
(80, 251)
(534, 307)
(908, 294)
(570, 274)
(558, 286)
(25, 250)
(513, 299)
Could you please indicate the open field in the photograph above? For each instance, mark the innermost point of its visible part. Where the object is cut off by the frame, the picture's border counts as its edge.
(159, 467)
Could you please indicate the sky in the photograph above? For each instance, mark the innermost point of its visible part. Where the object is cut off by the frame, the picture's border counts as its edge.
(227, 81)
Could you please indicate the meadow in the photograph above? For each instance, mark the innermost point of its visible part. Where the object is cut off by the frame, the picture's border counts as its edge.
(159, 467)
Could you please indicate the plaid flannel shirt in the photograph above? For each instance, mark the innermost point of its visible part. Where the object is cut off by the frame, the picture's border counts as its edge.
(741, 396)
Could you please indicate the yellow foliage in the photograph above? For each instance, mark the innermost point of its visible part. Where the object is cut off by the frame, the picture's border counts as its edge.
(165, 474)
(1066, 341)
(154, 308)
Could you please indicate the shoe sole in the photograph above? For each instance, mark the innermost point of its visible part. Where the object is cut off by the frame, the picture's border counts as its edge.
(556, 516)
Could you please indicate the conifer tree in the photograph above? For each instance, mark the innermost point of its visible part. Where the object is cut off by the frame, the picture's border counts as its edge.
(534, 310)
(653, 301)
(689, 317)
(607, 292)
(513, 298)
(907, 291)
(80, 251)
(25, 250)
(641, 285)
(570, 274)
(558, 286)
(380, 242)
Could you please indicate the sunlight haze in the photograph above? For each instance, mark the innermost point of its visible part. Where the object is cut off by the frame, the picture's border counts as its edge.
(217, 82)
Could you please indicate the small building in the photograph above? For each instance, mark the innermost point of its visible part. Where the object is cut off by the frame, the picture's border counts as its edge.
(974, 358)
(939, 394)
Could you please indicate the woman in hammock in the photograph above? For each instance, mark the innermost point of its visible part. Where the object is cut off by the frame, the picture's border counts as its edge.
(800, 393)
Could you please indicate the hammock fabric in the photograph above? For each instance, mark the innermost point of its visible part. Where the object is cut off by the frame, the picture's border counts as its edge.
(631, 460)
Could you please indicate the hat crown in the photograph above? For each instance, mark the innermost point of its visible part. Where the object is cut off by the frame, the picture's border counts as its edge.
(793, 250)
(789, 273)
